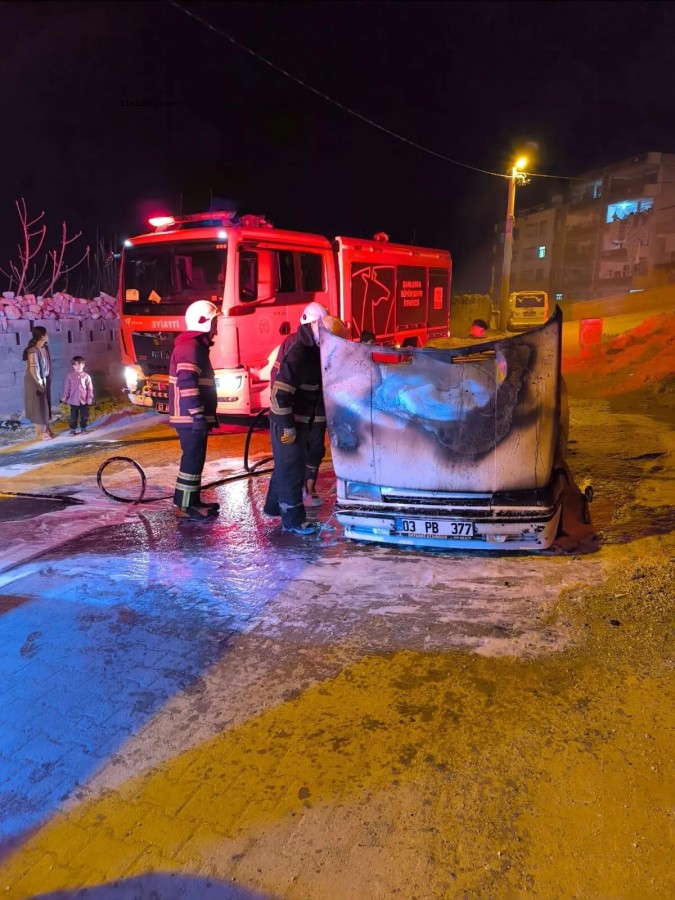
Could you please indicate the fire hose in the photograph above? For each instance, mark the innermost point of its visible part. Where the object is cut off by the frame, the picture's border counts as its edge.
(248, 471)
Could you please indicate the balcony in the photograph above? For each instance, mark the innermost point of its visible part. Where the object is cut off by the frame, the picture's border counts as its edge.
(636, 187)
(585, 230)
(577, 278)
(615, 279)
(574, 256)
(588, 198)
(615, 254)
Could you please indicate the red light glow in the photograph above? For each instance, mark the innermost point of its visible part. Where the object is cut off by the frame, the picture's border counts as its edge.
(161, 221)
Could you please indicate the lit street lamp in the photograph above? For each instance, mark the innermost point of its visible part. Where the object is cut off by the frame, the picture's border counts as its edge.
(516, 177)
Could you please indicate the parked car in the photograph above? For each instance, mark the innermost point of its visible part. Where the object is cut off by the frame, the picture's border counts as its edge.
(527, 309)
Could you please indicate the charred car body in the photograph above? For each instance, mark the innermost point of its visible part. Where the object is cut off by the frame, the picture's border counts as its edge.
(448, 448)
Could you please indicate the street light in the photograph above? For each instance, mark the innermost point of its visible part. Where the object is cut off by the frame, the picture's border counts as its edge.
(516, 177)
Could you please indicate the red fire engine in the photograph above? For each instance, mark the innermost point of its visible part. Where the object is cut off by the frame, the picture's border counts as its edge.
(261, 278)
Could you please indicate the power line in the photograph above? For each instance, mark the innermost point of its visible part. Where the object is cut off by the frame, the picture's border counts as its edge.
(324, 96)
(353, 112)
(556, 177)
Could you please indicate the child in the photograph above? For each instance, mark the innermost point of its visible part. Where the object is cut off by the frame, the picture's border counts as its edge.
(79, 393)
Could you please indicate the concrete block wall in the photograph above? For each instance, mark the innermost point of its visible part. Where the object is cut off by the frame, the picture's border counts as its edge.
(97, 340)
(464, 309)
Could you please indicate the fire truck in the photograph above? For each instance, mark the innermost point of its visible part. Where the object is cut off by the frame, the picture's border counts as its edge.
(261, 278)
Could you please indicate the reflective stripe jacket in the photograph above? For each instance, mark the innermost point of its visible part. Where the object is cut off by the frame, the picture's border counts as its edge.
(296, 394)
(192, 385)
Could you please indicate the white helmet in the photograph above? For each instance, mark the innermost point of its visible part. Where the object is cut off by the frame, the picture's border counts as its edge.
(312, 313)
(198, 315)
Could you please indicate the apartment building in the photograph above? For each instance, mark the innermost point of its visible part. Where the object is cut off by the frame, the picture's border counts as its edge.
(537, 248)
(614, 234)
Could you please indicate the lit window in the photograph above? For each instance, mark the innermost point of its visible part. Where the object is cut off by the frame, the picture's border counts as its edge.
(618, 211)
(541, 251)
(558, 296)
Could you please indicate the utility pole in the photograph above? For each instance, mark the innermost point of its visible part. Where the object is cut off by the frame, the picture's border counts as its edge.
(514, 178)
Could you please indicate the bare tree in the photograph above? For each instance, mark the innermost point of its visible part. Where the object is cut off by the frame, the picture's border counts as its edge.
(101, 272)
(56, 257)
(18, 272)
(24, 273)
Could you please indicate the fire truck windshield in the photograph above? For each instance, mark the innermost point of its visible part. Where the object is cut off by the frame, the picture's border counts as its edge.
(164, 279)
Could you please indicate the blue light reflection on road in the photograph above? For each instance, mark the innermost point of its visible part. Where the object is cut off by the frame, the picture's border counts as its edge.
(97, 640)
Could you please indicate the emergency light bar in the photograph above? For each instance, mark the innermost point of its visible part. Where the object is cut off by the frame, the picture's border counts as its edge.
(208, 220)
(161, 221)
(222, 217)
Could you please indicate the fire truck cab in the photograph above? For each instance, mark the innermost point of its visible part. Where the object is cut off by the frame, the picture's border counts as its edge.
(261, 278)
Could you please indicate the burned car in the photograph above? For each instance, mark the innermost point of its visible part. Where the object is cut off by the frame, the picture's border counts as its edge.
(457, 447)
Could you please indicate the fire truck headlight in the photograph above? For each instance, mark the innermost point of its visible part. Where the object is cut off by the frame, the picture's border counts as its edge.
(229, 382)
(132, 375)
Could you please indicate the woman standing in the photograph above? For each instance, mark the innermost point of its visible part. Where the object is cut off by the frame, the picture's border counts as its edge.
(37, 383)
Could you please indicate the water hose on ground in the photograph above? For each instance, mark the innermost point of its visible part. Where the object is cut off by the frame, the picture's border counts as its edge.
(248, 472)
(57, 498)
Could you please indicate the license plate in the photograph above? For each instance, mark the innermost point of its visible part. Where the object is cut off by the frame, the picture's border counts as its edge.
(162, 407)
(458, 528)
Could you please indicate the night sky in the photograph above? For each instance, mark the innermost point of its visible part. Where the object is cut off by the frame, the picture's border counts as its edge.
(589, 83)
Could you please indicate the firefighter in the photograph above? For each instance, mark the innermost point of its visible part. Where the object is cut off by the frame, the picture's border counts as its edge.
(316, 432)
(296, 402)
(192, 407)
(315, 452)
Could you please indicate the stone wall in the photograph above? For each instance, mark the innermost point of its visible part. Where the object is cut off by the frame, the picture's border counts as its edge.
(96, 339)
(58, 306)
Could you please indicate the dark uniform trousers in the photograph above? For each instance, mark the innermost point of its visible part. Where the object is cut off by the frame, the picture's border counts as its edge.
(189, 481)
(284, 495)
(316, 449)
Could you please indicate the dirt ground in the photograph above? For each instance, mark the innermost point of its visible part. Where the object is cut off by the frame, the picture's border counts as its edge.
(635, 370)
